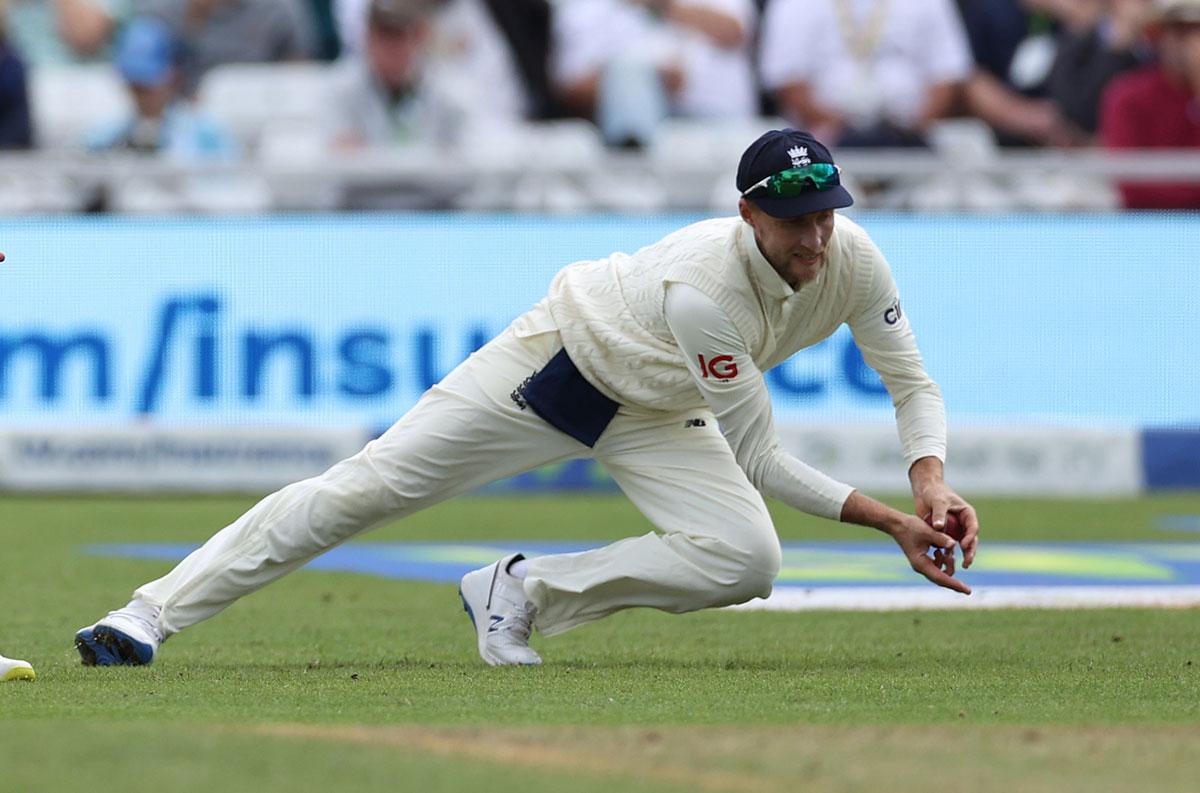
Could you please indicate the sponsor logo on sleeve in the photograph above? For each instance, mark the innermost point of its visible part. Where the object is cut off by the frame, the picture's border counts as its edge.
(893, 314)
(718, 367)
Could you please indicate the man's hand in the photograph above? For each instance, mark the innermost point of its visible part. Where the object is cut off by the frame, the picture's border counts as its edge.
(912, 535)
(932, 496)
(915, 539)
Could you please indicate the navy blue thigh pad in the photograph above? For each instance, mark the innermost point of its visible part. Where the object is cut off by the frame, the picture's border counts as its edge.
(567, 401)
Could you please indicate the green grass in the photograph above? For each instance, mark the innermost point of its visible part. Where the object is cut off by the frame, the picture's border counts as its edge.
(345, 682)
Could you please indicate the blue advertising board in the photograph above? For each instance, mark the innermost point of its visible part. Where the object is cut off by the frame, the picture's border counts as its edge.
(345, 320)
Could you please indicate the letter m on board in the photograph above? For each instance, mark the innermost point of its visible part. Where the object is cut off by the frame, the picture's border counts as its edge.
(49, 358)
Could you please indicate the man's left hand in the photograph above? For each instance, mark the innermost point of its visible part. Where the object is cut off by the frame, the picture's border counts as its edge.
(933, 497)
(937, 499)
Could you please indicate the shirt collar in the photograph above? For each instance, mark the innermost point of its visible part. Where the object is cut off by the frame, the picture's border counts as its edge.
(761, 270)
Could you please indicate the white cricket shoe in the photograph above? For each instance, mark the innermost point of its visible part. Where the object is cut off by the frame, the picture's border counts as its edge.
(495, 601)
(12, 669)
(126, 637)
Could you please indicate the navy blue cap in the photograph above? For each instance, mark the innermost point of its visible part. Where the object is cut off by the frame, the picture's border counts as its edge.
(146, 51)
(779, 150)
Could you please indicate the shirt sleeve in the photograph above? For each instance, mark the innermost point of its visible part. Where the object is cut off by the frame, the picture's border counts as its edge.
(883, 335)
(733, 386)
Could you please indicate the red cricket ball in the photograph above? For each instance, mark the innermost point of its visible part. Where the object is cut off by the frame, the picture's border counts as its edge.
(953, 527)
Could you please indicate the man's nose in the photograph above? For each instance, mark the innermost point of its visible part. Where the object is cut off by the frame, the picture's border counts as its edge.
(812, 237)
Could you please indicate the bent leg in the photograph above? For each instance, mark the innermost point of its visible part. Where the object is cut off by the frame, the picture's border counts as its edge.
(457, 438)
(717, 545)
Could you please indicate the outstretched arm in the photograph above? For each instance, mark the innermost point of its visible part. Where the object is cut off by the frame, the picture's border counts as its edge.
(882, 332)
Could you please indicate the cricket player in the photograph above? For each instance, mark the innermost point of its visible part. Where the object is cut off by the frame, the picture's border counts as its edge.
(651, 363)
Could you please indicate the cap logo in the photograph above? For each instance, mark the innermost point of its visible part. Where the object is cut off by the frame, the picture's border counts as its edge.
(799, 155)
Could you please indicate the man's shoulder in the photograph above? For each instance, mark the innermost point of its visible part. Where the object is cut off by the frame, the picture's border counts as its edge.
(848, 235)
(711, 227)
(702, 237)
(1135, 85)
(855, 254)
(707, 252)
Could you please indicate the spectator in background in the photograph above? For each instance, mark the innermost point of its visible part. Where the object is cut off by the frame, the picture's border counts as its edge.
(1014, 43)
(628, 63)
(1101, 39)
(216, 32)
(383, 97)
(1159, 106)
(63, 32)
(1043, 64)
(493, 53)
(16, 129)
(164, 123)
(864, 72)
(386, 100)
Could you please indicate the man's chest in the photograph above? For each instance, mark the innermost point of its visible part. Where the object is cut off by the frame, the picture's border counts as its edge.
(796, 323)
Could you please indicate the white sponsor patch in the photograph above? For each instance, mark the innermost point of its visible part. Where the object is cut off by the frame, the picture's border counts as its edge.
(794, 598)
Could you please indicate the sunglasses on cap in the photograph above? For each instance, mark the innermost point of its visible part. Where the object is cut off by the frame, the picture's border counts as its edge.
(794, 181)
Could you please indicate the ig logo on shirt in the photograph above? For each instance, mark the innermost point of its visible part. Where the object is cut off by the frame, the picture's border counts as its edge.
(720, 367)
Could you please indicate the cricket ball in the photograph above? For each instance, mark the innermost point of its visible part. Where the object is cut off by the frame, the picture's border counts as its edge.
(953, 527)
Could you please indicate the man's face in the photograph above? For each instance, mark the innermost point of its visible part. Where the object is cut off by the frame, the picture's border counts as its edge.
(795, 247)
(1187, 38)
(151, 101)
(395, 54)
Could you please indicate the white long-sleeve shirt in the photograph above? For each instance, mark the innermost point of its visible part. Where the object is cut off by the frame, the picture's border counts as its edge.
(637, 327)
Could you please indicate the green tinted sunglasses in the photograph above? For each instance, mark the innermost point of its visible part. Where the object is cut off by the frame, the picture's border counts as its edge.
(794, 181)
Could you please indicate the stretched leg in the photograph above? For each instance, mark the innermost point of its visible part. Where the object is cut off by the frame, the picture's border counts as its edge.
(462, 434)
(716, 543)
(444, 447)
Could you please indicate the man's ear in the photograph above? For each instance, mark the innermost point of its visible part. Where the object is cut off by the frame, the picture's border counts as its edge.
(746, 211)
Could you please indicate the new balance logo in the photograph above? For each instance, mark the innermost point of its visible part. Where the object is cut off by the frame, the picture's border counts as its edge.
(496, 620)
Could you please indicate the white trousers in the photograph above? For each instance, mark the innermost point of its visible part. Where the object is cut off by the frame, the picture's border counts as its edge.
(715, 543)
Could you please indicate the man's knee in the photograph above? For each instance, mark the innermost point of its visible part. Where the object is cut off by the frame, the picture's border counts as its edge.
(760, 567)
(738, 568)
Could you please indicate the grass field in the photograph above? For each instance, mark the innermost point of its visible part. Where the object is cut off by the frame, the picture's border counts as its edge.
(345, 682)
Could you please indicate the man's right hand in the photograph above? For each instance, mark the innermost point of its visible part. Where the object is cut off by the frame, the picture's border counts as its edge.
(913, 536)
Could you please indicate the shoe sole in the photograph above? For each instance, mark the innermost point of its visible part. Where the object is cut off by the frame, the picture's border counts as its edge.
(101, 645)
(18, 673)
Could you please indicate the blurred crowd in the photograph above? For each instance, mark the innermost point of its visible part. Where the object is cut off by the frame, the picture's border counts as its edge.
(858, 73)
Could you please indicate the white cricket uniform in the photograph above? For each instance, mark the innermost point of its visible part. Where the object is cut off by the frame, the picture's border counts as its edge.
(676, 338)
